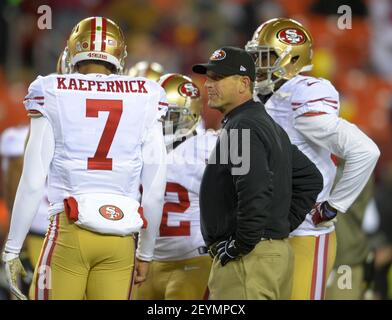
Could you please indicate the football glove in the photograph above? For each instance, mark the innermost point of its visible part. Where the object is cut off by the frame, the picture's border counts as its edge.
(13, 269)
(227, 251)
(323, 212)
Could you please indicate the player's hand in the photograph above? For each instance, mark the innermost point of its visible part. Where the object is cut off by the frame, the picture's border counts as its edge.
(13, 270)
(141, 270)
(323, 212)
(227, 251)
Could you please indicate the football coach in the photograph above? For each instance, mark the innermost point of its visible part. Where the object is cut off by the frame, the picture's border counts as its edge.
(248, 204)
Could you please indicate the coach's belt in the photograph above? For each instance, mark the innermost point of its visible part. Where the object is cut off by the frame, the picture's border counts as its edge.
(202, 250)
(213, 251)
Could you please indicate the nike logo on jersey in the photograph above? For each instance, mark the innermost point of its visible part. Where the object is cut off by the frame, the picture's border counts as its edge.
(133, 86)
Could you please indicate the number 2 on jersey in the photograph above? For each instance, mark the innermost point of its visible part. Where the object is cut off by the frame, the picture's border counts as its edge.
(184, 227)
(100, 161)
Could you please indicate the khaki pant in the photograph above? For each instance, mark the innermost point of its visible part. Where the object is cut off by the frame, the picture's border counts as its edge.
(78, 264)
(175, 280)
(264, 273)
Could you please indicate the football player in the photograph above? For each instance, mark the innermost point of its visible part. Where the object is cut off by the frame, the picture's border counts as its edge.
(149, 70)
(181, 264)
(96, 135)
(308, 109)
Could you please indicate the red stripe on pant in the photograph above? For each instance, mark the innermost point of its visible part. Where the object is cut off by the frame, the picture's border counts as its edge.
(133, 273)
(44, 264)
(318, 289)
(206, 294)
(325, 266)
(40, 260)
(315, 267)
(46, 290)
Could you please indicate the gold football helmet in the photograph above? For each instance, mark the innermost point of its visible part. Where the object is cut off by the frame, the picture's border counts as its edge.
(149, 70)
(63, 66)
(292, 45)
(97, 38)
(184, 106)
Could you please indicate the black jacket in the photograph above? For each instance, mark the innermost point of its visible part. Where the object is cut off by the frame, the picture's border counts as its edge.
(268, 200)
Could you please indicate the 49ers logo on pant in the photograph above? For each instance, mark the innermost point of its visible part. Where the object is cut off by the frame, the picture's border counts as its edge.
(111, 212)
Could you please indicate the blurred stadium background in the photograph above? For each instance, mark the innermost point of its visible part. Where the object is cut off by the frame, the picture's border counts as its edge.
(179, 33)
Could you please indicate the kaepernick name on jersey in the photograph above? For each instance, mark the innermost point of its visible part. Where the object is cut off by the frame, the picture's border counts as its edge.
(123, 86)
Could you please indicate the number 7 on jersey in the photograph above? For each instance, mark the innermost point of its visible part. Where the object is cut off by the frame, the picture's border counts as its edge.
(100, 161)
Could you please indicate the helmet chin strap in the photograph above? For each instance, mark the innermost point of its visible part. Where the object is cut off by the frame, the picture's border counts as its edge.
(307, 68)
(267, 86)
(169, 139)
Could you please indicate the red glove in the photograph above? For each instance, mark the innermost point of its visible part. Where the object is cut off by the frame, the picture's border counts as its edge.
(322, 212)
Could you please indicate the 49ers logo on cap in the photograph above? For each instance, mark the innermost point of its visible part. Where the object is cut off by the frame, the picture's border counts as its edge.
(188, 89)
(111, 212)
(218, 55)
(291, 36)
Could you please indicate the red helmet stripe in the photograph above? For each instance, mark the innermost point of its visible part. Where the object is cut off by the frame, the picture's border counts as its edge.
(167, 79)
(92, 36)
(103, 34)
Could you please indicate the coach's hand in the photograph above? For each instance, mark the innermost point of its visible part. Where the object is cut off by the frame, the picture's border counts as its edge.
(227, 251)
(13, 270)
(323, 212)
(141, 268)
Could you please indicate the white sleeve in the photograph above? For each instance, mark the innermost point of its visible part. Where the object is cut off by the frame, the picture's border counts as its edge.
(348, 142)
(154, 184)
(315, 96)
(34, 101)
(38, 155)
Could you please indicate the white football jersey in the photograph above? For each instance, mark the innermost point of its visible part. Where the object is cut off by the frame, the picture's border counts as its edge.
(12, 145)
(307, 95)
(179, 232)
(99, 123)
